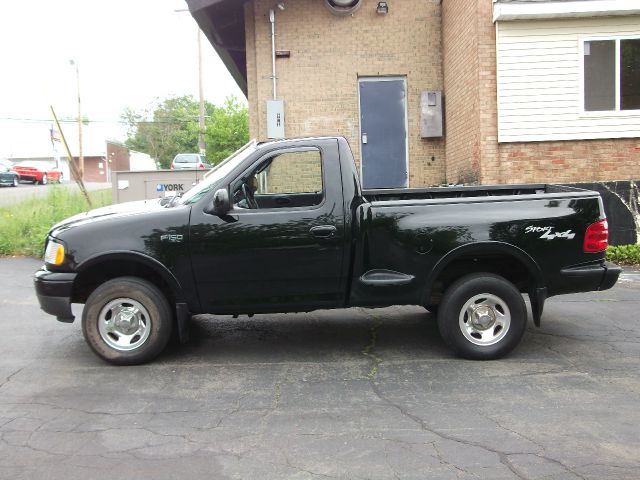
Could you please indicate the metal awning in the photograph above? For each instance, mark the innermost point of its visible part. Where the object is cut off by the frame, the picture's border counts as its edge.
(222, 22)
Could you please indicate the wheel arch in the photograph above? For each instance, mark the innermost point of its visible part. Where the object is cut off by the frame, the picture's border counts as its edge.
(506, 257)
(106, 266)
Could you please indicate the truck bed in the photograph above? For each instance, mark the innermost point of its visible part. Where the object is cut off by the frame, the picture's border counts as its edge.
(453, 192)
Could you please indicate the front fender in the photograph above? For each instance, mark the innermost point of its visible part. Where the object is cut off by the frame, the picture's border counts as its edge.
(132, 258)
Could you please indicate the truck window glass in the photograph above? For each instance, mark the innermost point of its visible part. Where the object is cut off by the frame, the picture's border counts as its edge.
(286, 180)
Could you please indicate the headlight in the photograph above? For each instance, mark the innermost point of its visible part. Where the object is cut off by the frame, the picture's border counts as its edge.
(54, 253)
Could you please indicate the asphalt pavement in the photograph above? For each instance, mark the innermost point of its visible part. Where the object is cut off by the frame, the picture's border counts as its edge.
(352, 394)
(25, 191)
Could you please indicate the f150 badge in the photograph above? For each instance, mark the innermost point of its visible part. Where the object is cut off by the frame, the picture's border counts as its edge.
(171, 238)
(549, 234)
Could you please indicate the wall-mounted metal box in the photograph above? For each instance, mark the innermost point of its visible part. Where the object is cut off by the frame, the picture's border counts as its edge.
(431, 114)
(275, 119)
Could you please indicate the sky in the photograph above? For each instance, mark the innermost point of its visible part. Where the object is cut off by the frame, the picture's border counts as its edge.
(129, 53)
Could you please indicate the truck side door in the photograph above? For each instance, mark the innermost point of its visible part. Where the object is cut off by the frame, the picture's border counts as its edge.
(282, 245)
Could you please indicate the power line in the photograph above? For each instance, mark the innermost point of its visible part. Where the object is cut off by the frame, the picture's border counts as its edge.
(120, 122)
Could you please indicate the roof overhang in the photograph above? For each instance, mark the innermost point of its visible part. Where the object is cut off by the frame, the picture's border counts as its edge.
(222, 22)
(504, 11)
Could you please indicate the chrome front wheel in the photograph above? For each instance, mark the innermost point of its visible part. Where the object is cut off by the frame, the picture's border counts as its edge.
(127, 321)
(124, 324)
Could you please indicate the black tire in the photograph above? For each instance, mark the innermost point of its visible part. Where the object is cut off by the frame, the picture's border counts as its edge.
(132, 294)
(497, 322)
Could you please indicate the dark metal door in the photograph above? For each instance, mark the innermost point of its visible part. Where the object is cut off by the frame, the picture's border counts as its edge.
(383, 133)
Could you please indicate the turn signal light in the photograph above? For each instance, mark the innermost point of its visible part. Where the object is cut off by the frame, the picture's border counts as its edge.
(54, 253)
(596, 239)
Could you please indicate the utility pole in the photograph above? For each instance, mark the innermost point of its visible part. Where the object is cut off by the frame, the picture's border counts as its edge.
(80, 155)
(201, 143)
(75, 171)
(201, 128)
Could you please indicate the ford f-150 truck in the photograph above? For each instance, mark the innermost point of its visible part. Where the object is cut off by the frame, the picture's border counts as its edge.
(285, 226)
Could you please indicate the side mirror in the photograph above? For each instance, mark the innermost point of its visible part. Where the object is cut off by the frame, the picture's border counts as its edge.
(220, 205)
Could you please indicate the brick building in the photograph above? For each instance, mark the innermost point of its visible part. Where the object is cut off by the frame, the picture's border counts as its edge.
(534, 90)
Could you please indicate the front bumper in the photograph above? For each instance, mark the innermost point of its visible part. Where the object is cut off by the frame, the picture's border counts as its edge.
(590, 278)
(53, 290)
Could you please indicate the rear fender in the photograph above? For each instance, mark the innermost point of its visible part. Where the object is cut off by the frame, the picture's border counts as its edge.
(536, 288)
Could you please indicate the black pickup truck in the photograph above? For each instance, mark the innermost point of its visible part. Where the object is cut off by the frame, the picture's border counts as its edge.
(285, 226)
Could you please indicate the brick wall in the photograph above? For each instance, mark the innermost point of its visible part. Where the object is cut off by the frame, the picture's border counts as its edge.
(252, 75)
(490, 168)
(455, 53)
(461, 73)
(92, 170)
(118, 156)
(319, 82)
(469, 63)
(570, 161)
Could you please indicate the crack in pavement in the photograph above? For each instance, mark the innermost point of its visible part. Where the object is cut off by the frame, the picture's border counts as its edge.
(300, 469)
(445, 462)
(539, 445)
(582, 337)
(10, 377)
(368, 350)
(503, 457)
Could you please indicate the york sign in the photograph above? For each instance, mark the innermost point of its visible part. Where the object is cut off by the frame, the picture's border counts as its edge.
(170, 187)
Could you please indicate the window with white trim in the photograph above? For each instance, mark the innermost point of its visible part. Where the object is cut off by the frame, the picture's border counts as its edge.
(612, 74)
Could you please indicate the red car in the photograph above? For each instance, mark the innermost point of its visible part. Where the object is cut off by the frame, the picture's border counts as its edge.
(37, 172)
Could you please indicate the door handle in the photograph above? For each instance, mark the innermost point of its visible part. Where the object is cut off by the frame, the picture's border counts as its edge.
(323, 231)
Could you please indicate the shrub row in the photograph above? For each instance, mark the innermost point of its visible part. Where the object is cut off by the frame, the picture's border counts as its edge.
(624, 254)
(23, 226)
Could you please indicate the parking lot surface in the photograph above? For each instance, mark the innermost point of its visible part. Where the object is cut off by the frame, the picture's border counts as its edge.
(353, 394)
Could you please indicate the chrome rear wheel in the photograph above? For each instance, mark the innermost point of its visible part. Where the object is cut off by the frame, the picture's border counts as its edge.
(482, 316)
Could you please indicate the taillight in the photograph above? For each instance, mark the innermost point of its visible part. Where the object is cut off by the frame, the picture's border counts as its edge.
(596, 239)
(202, 165)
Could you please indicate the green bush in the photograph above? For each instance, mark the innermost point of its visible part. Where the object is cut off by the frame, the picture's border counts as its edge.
(23, 226)
(624, 254)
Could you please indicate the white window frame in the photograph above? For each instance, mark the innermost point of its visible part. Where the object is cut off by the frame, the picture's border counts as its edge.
(604, 113)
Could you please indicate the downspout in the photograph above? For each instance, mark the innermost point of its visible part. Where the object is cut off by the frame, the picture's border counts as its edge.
(272, 19)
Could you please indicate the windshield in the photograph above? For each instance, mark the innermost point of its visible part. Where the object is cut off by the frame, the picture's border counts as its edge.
(218, 172)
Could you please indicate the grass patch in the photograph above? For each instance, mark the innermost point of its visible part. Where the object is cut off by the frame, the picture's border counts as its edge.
(24, 225)
(624, 254)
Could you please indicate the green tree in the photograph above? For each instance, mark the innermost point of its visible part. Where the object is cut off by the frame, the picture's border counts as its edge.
(170, 126)
(227, 130)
